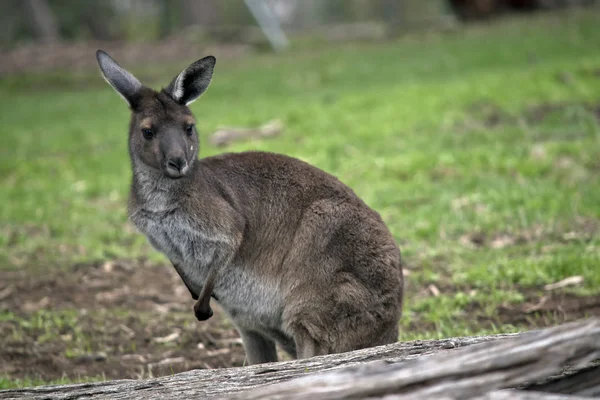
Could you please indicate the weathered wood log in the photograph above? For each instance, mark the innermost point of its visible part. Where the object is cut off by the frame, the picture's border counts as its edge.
(526, 395)
(398, 371)
(466, 373)
(581, 382)
(212, 383)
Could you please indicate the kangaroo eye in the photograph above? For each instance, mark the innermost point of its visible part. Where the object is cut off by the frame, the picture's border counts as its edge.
(189, 130)
(148, 133)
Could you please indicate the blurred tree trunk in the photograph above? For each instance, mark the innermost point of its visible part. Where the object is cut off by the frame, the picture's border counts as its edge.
(200, 12)
(41, 20)
(477, 9)
(394, 15)
(99, 29)
(97, 16)
(169, 20)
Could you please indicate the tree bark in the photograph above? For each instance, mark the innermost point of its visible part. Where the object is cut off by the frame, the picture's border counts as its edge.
(394, 15)
(203, 12)
(41, 20)
(432, 369)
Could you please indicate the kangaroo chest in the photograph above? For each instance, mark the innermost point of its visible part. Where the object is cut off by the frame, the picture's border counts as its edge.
(186, 245)
(247, 297)
(252, 301)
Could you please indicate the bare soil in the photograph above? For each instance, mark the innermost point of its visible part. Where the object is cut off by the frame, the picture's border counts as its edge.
(124, 320)
(550, 309)
(135, 320)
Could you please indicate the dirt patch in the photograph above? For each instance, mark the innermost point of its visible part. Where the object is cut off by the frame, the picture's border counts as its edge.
(549, 309)
(591, 71)
(539, 310)
(134, 320)
(121, 320)
(579, 229)
(540, 112)
(488, 115)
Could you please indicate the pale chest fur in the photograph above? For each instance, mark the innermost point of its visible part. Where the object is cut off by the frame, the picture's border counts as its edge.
(183, 243)
(252, 301)
(156, 211)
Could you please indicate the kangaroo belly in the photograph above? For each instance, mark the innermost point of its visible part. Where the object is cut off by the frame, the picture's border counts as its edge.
(251, 301)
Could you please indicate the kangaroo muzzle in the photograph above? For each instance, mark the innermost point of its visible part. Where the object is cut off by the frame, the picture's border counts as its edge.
(176, 166)
(176, 162)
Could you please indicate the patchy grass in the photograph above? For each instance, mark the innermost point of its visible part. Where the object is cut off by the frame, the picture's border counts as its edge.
(109, 320)
(479, 149)
(10, 383)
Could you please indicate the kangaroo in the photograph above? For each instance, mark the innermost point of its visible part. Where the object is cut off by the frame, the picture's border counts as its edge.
(292, 255)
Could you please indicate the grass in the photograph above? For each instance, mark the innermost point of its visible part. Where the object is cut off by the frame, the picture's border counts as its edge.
(9, 383)
(439, 133)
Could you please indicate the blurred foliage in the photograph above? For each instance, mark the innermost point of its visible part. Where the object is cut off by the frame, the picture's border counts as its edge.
(155, 19)
(226, 19)
(75, 20)
(79, 19)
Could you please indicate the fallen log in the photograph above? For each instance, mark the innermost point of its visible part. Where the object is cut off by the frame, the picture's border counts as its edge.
(466, 373)
(479, 368)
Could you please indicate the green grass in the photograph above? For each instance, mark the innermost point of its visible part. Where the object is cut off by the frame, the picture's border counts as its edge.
(403, 124)
(9, 383)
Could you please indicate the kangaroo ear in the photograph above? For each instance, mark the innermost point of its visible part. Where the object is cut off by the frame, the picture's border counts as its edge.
(192, 81)
(120, 79)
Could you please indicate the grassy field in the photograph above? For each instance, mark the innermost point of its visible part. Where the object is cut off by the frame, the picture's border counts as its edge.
(480, 148)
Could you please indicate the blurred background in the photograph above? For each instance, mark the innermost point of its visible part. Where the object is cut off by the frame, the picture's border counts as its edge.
(56, 33)
(471, 126)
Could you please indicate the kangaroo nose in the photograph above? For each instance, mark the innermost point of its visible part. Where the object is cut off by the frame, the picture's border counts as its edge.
(176, 165)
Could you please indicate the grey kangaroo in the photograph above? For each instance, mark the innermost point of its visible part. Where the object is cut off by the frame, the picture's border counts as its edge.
(291, 254)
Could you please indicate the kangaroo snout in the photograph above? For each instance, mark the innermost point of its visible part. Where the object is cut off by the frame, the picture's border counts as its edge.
(176, 166)
(176, 160)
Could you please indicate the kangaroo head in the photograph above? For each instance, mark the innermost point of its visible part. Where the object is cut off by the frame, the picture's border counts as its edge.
(162, 133)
